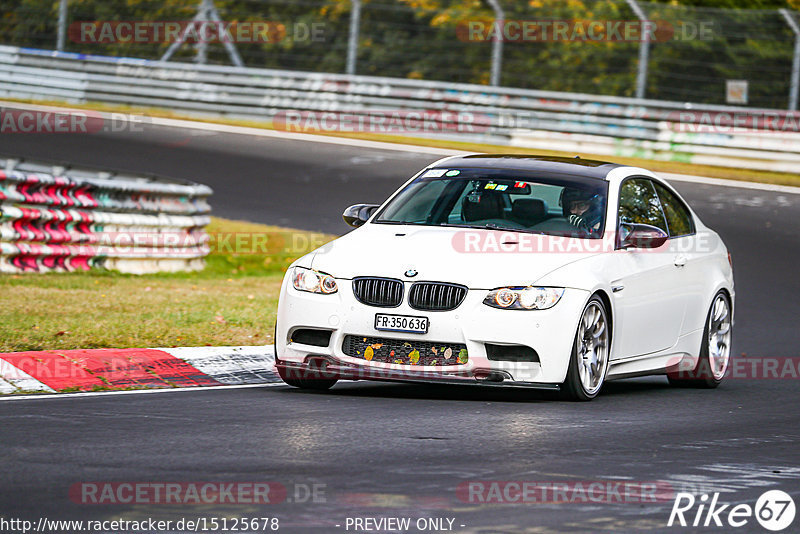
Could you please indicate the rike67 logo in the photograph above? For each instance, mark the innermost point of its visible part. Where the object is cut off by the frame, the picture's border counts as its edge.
(774, 510)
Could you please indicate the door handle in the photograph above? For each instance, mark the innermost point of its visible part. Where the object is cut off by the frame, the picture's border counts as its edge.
(680, 261)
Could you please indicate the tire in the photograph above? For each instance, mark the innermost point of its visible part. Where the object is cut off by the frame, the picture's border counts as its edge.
(588, 363)
(310, 379)
(709, 371)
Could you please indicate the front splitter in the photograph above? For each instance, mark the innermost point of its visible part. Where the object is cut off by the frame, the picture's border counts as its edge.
(326, 367)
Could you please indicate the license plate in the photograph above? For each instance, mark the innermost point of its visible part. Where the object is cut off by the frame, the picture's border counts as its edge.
(401, 323)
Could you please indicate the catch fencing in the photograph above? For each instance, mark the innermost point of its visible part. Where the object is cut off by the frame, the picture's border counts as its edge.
(578, 46)
(335, 103)
(57, 218)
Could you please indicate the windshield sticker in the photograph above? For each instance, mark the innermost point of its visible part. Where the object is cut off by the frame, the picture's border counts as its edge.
(490, 186)
(501, 187)
(519, 185)
(434, 173)
(452, 173)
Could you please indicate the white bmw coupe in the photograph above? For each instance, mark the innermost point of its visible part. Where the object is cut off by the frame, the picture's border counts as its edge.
(525, 271)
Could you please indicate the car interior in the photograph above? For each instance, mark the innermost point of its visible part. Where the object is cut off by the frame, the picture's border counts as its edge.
(523, 208)
(503, 203)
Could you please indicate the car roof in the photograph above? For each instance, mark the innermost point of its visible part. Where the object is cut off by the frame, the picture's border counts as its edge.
(545, 164)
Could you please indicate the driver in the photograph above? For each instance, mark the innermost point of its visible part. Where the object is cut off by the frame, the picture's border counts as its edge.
(582, 209)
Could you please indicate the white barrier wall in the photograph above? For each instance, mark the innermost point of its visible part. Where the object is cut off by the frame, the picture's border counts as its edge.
(695, 133)
(57, 219)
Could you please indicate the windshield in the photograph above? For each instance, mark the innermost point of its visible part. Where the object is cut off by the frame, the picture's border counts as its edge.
(501, 199)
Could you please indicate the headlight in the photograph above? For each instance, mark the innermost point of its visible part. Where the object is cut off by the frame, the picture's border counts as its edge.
(312, 281)
(524, 298)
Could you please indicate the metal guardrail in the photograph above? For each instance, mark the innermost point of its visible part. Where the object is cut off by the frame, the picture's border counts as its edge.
(714, 135)
(57, 218)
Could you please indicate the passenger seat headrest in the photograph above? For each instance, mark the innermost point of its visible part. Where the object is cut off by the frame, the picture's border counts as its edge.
(529, 211)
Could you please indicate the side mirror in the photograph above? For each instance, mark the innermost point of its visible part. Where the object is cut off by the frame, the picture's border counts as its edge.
(357, 215)
(641, 236)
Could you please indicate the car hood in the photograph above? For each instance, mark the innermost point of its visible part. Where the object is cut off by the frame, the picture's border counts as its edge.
(478, 259)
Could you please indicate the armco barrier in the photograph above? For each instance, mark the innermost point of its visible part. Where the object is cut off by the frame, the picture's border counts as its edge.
(717, 135)
(54, 218)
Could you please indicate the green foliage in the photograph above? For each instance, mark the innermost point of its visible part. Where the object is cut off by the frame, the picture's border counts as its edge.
(426, 39)
(738, 4)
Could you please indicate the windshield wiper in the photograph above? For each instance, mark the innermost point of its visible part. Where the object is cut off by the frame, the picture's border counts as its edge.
(487, 226)
(493, 226)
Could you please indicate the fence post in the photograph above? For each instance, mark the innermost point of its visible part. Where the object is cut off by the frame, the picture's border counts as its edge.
(206, 12)
(644, 50)
(793, 88)
(352, 42)
(201, 46)
(62, 26)
(230, 47)
(497, 44)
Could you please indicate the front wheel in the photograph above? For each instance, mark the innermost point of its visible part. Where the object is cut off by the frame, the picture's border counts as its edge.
(715, 350)
(588, 363)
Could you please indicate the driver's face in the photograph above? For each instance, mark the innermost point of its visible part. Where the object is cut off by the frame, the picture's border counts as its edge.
(578, 207)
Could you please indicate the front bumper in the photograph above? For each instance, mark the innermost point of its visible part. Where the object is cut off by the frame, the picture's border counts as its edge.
(327, 367)
(549, 332)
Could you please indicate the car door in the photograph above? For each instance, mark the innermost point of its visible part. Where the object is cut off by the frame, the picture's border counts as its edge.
(690, 255)
(647, 294)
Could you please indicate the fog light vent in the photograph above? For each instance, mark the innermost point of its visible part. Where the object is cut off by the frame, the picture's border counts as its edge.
(315, 338)
(511, 353)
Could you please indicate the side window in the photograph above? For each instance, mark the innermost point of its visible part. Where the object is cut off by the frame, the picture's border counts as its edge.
(638, 204)
(678, 217)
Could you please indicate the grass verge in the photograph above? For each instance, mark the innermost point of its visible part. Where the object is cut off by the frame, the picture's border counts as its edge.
(231, 302)
(728, 173)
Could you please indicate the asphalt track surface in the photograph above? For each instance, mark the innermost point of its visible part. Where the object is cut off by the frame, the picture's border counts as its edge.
(402, 450)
